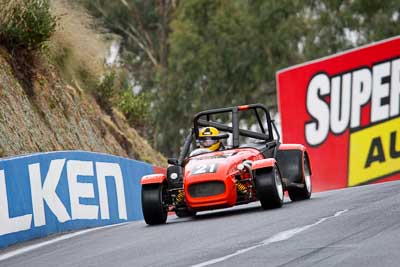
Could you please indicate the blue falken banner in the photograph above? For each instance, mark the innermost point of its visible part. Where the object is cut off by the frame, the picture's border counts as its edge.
(46, 193)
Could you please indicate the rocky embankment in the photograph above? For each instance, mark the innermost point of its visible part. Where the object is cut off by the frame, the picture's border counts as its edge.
(40, 112)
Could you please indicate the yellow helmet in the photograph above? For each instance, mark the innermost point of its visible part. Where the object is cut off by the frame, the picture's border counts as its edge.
(209, 138)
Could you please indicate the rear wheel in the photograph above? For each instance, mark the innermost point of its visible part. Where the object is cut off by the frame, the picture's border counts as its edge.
(269, 188)
(303, 193)
(154, 207)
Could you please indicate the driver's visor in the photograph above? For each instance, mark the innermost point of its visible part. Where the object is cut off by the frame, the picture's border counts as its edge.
(207, 141)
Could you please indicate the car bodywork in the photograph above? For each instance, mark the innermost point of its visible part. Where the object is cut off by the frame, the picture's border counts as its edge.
(241, 173)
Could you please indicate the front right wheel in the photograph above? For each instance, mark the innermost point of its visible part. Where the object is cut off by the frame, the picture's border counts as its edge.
(269, 188)
(154, 206)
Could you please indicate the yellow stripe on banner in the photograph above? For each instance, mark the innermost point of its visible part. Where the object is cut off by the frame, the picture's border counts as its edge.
(374, 152)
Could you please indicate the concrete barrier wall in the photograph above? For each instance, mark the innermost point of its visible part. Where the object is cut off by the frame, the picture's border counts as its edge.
(47, 193)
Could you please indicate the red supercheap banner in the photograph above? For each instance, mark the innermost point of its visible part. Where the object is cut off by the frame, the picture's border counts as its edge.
(346, 109)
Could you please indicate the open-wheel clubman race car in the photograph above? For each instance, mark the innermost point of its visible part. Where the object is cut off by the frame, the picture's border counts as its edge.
(252, 166)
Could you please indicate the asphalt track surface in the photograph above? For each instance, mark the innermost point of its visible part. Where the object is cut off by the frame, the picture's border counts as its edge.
(351, 227)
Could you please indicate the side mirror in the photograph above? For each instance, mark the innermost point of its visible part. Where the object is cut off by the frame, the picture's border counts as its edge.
(173, 161)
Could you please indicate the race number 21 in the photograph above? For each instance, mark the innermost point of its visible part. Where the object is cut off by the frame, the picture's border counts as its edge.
(205, 168)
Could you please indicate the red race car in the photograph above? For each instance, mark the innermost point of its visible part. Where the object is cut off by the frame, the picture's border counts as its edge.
(252, 166)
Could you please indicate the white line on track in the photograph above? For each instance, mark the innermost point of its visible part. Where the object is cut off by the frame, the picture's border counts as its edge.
(26, 249)
(285, 235)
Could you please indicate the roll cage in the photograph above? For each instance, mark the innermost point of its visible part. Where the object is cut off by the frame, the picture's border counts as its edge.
(203, 119)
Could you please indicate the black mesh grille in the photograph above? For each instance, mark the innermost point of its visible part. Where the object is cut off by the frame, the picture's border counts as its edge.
(206, 189)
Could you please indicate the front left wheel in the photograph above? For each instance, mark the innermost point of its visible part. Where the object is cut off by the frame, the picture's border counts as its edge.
(154, 206)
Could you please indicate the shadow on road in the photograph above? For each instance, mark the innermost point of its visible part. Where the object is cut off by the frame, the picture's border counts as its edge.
(228, 212)
(234, 211)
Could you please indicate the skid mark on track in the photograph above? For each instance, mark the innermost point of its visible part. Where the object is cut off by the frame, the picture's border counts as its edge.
(285, 235)
(373, 231)
(330, 246)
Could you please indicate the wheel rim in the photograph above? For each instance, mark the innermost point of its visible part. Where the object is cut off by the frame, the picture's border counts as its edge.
(307, 180)
(278, 183)
(307, 176)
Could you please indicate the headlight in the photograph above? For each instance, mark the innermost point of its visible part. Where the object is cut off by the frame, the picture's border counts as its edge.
(240, 167)
(175, 176)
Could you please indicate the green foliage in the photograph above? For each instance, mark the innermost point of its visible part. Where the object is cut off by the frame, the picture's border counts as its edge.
(26, 24)
(144, 32)
(105, 91)
(333, 25)
(115, 90)
(134, 107)
(225, 53)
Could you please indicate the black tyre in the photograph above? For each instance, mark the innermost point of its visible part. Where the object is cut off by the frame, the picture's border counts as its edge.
(269, 188)
(185, 212)
(155, 210)
(297, 194)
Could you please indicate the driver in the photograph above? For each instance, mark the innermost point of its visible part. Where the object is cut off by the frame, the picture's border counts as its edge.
(209, 137)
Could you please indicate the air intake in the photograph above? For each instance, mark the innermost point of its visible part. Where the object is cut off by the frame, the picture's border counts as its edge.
(207, 189)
